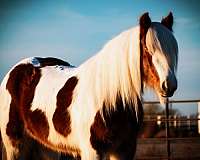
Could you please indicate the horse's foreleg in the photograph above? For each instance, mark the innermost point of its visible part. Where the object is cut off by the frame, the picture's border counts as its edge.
(126, 152)
(3, 152)
(10, 152)
(11, 139)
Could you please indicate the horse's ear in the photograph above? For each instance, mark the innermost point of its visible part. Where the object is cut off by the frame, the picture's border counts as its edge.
(168, 21)
(145, 23)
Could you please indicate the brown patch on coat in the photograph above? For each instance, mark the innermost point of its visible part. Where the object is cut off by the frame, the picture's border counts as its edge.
(50, 61)
(116, 132)
(61, 117)
(15, 125)
(68, 157)
(37, 124)
(21, 85)
(148, 72)
(70, 153)
(150, 75)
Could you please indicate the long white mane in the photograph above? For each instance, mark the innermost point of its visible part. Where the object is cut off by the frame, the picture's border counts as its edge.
(113, 71)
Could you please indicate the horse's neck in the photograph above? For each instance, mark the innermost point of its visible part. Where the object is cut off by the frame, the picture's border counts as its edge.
(108, 73)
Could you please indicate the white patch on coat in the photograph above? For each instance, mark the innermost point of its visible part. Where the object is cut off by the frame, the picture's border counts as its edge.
(51, 81)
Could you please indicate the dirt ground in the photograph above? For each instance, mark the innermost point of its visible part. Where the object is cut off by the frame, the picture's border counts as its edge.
(151, 149)
(180, 148)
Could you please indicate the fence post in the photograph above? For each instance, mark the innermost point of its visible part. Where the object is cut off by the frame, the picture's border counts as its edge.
(198, 117)
(167, 128)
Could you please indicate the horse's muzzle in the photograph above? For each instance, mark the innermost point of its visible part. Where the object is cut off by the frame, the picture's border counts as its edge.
(168, 87)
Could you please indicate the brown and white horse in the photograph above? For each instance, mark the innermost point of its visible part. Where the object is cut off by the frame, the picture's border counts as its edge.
(93, 111)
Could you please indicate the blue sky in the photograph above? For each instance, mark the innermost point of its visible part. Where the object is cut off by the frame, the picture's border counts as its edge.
(74, 30)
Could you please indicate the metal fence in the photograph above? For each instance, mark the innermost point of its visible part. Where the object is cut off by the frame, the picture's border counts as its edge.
(171, 147)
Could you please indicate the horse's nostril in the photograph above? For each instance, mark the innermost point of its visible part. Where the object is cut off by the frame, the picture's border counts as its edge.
(168, 88)
(164, 86)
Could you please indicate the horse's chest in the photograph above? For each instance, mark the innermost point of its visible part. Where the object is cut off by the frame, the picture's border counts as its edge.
(118, 128)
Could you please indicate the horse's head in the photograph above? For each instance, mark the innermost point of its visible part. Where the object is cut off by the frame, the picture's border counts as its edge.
(159, 52)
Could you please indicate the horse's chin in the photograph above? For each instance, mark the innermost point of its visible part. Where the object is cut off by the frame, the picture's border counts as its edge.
(161, 99)
(166, 95)
(162, 96)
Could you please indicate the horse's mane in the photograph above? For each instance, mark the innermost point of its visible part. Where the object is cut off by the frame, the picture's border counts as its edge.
(113, 71)
(116, 71)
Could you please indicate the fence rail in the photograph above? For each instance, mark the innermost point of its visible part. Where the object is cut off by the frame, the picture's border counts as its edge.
(173, 101)
(168, 143)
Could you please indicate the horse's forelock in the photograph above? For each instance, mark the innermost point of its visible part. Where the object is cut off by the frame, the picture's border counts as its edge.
(161, 39)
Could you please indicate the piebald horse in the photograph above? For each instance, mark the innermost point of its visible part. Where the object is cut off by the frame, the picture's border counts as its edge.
(93, 111)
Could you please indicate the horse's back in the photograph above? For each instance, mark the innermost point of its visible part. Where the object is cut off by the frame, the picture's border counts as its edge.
(28, 71)
(22, 82)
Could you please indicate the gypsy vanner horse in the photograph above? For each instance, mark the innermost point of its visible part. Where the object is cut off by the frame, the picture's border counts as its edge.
(93, 111)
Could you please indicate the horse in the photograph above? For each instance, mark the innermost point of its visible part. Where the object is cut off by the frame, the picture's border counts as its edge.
(93, 111)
